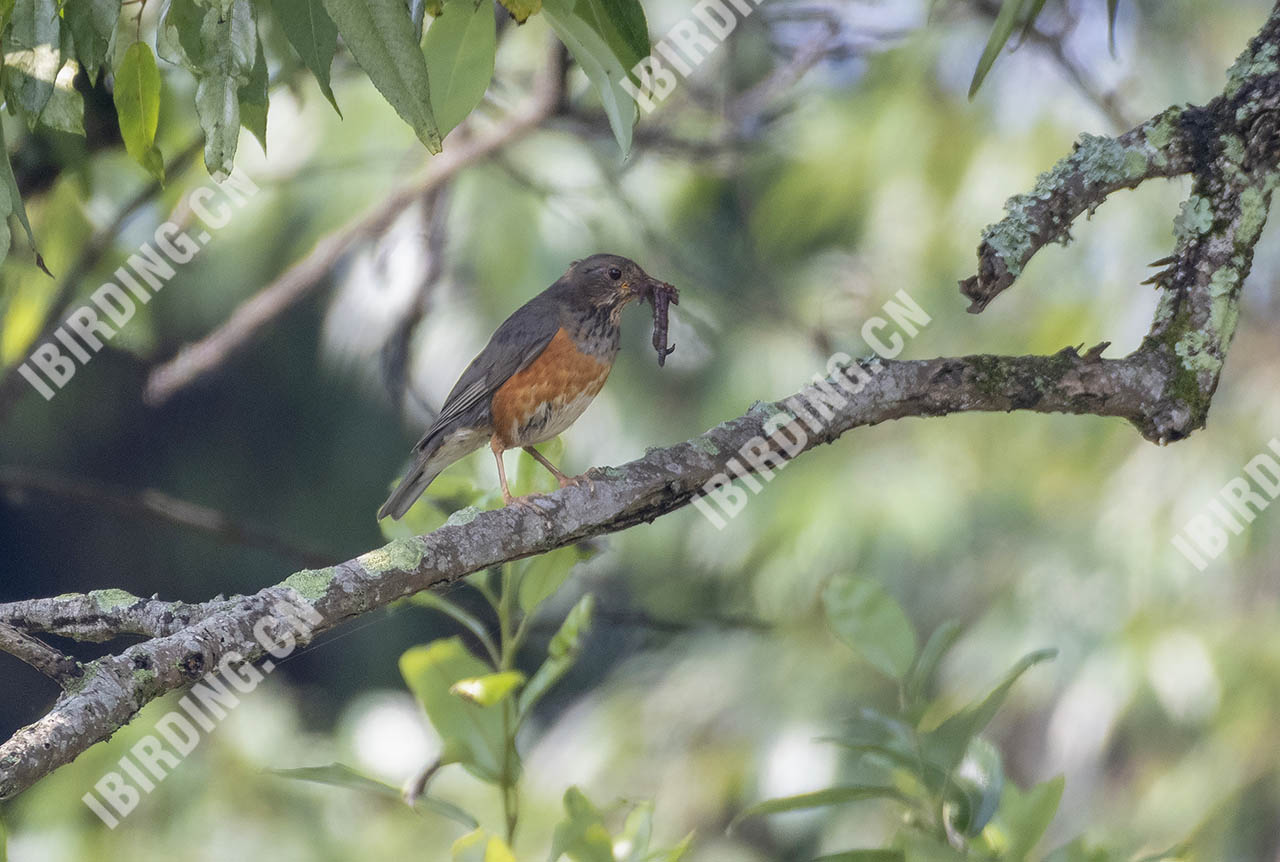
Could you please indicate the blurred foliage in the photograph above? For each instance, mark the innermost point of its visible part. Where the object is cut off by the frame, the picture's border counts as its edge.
(477, 704)
(1015, 14)
(949, 780)
(708, 674)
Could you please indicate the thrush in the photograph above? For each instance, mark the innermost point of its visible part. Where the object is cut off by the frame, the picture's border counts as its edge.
(539, 371)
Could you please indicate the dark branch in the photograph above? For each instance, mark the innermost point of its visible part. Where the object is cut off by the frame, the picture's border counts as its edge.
(44, 658)
(154, 505)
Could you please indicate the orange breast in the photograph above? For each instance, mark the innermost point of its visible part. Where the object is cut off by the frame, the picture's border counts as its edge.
(545, 397)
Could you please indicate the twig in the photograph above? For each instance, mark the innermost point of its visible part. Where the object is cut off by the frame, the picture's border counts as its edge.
(747, 107)
(103, 615)
(44, 658)
(198, 360)
(156, 505)
(1107, 103)
(395, 350)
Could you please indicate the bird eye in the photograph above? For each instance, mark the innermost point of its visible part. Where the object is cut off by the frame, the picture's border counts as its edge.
(615, 273)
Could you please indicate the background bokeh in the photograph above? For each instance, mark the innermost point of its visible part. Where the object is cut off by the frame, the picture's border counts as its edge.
(709, 674)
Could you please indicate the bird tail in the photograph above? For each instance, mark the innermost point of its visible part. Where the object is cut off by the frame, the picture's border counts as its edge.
(431, 459)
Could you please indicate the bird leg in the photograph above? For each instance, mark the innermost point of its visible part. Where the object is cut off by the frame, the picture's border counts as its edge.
(496, 445)
(565, 481)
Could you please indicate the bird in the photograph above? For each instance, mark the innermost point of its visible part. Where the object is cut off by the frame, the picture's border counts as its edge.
(541, 368)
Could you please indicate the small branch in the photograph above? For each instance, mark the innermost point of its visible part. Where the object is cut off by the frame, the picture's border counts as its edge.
(746, 108)
(44, 658)
(102, 615)
(150, 504)
(1097, 167)
(197, 361)
(1052, 43)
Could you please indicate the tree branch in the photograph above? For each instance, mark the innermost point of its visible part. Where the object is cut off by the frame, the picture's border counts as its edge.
(103, 615)
(44, 658)
(663, 481)
(196, 361)
(151, 504)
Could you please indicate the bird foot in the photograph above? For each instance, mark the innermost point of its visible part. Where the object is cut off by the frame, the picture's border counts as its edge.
(577, 481)
(528, 501)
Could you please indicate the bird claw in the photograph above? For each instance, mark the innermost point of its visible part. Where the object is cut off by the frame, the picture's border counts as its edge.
(528, 501)
(578, 481)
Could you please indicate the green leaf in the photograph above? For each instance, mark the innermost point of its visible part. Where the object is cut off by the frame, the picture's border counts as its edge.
(473, 734)
(562, 652)
(1113, 7)
(532, 477)
(218, 108)
(867, 618)
(4, 842)
(341, 775)
(379, 34)
(472, 623)
(1030, 20)
(490, 689)
(637, 832)
(1176, 853)
(947, 743)
(460, 46)
(926, 664)
(313, 35)
(928, 774)
(1006, 20)
(623, 25)
(675, 854)
(539, 577)
(11, 204)
(1079, 851)
(822, 799)
(576, 27)
(919, 846)
(254, 99)
(519, 9)
(864, 856)
(137, 98)
(219, 47)
(480, 846)
(1024, 817)
(65, 109)
(582, 836)
(32, 55)
(980, 778)
(92, 23)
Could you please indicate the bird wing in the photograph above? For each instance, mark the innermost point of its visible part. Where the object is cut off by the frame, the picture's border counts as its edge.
(515, 344)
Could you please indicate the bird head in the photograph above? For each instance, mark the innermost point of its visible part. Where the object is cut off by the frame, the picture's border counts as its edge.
(609, 280)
